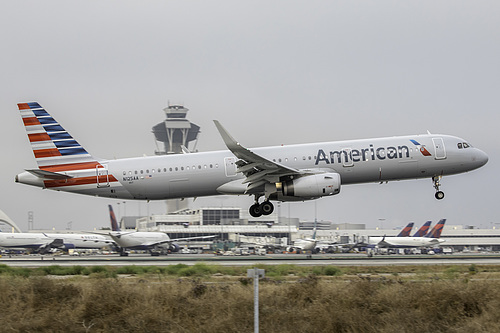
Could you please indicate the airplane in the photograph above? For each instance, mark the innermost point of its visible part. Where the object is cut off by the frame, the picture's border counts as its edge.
(406, 230)
(154, 242)
(37, 242)
(45, 242)
(305, 244)
(280, 173)
(431, 239)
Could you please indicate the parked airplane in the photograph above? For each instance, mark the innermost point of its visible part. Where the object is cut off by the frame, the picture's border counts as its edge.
(154, 242)
(45, 242)
(304, 244)
(37, 242)
(431, 239)
(283, 173)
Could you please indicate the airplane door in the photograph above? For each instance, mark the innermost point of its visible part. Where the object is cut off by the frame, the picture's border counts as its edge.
(439, 149)
(230, 166)
(102, 176)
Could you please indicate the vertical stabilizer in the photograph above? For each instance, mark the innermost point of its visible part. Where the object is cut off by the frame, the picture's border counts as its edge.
(423, 229)
(437, 230)
(406, 230)
(54, 148)
(112, 217)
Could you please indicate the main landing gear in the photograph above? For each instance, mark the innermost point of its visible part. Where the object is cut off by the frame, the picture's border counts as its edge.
(264, 208)
(439, 194)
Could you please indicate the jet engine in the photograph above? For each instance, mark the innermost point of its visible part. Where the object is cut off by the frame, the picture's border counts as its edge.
(310, 187)
(174, 247)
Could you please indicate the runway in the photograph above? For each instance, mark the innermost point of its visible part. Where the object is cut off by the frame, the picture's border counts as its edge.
(272, 259)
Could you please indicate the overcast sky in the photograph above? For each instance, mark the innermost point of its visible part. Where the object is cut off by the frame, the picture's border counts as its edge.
(273, 72)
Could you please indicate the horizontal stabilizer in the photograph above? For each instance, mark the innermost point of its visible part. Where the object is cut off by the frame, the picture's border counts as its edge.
(43, 174)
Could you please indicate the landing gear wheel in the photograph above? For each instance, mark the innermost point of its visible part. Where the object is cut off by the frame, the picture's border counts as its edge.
(439, 195)
(255, 210)
(266, 208)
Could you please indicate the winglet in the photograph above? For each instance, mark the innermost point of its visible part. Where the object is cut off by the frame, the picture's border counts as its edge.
(230, 142)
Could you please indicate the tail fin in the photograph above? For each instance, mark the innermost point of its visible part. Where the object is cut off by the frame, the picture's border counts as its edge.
(437, 230)
(406, 230)
(112, 217)
(423, 229)
(54, 148)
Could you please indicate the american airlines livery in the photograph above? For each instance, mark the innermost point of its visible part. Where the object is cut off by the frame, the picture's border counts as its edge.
(283, 173)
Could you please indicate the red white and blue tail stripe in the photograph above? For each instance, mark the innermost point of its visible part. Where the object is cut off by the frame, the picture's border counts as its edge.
(52, 145)
(62, 161)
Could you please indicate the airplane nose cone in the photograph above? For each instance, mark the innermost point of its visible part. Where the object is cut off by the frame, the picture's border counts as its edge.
(481, 158)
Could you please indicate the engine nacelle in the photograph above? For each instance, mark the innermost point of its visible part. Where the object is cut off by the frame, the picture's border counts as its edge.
(312, 186)
(174, 247)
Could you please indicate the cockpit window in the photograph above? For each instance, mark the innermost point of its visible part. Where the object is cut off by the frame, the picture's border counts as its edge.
(463, 145)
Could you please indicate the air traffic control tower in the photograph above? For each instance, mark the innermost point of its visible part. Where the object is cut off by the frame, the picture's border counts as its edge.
(176, 131)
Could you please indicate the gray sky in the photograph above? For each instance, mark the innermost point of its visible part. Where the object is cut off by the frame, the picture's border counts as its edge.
(272, 72)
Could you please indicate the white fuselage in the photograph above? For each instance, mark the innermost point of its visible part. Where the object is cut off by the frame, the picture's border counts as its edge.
(213, 173)
(82, 241)
(37, 240)
(405, 241)
(140, 240)
(305, 244)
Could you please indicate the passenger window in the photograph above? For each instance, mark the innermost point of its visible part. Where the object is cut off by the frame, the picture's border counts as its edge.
(466, 145)
(459, 145)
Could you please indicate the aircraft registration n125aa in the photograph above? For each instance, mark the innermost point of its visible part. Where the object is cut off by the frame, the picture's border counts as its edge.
(281, 173)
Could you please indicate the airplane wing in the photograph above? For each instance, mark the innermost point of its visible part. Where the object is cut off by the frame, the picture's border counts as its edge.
(258, 170)
(191, 238)
(384, 243)
(151, 244)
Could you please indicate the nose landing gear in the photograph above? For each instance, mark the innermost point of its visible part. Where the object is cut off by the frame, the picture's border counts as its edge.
(439, 194)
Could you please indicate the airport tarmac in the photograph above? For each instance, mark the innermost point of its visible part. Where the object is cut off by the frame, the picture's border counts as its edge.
(271, 259)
